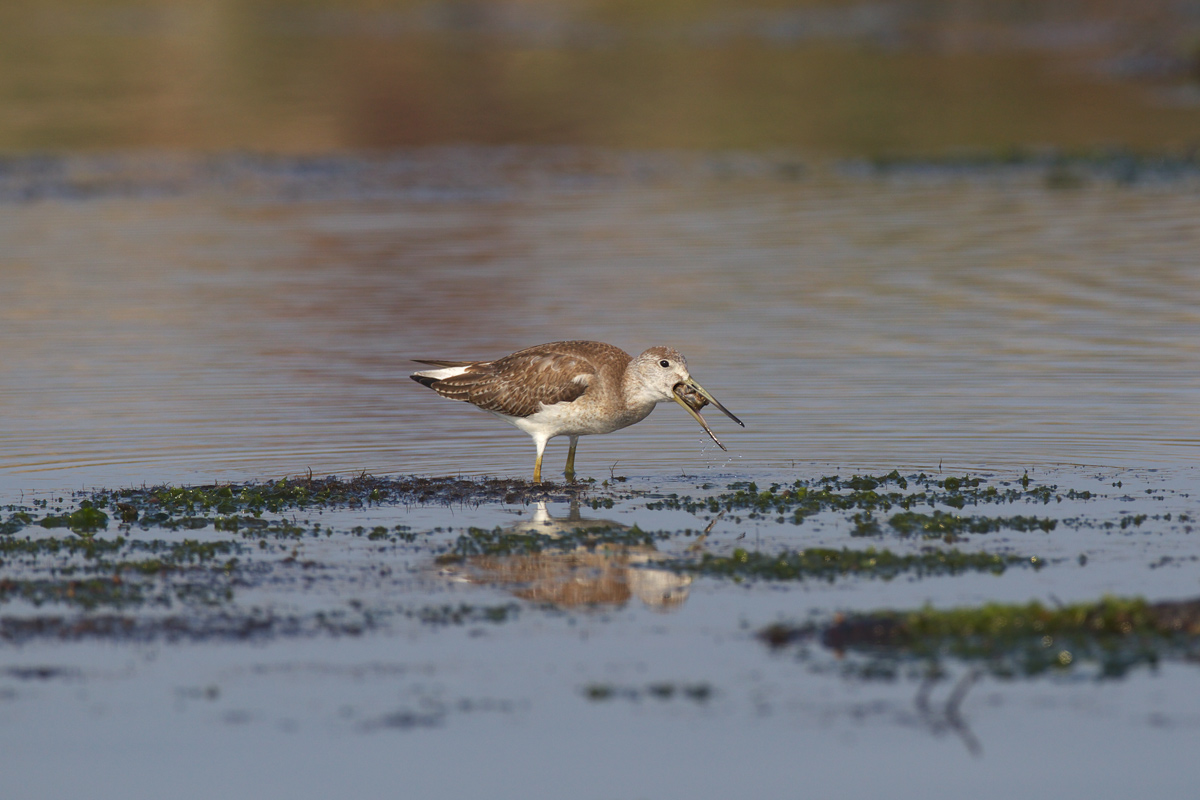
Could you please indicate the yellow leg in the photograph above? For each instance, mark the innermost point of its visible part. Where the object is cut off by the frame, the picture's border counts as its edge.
(569, 472)
(537, 468)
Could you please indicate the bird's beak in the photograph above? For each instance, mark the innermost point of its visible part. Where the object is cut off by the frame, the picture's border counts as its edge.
(690, 386)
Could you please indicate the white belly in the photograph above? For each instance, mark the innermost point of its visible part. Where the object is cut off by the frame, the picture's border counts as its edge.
(575, 419)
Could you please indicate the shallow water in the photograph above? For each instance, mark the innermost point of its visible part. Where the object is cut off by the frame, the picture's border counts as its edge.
(340, 662)
(193, 320)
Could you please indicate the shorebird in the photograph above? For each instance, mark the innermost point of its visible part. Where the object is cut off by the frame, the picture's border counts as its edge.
(572, 389)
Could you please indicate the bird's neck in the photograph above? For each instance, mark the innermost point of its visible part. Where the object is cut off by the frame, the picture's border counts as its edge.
(640, 400)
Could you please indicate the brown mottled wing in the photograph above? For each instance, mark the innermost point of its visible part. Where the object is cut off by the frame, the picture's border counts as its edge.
(518, 385)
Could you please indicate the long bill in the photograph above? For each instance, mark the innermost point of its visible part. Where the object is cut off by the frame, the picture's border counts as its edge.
(700, 390)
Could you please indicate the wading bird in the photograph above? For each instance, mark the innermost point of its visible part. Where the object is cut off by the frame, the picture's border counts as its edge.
(572, 389)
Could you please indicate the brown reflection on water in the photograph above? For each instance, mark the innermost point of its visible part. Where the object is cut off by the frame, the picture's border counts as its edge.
(837, 78)
(598, 576)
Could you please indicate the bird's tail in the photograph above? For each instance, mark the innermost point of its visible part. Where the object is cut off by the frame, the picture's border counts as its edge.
(428, 377)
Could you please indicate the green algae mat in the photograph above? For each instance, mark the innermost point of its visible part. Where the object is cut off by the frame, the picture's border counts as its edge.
(178, 561)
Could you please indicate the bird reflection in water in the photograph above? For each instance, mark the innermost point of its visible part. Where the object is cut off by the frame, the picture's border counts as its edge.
(606, 575)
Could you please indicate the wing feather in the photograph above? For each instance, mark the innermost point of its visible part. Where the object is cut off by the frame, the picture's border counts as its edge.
(519, 385)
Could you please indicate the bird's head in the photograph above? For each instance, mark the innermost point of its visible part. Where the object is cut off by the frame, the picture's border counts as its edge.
(661, 373)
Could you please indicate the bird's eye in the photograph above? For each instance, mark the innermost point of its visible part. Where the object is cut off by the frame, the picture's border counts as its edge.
(664, 363)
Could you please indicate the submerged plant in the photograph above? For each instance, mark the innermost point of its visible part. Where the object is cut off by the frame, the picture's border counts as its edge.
(829, 564)
(1111, 636)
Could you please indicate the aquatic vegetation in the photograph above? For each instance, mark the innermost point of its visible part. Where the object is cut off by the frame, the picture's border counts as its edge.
(249, 529)
(89, 547)
(506, 541)
(464, 614)
(87, 593)
(939, 524)
(195, 626)
(1111, 637)
(110, 573)
(699, 693)
(255, 510)
(1059, 169)
(828, 564)
(86, 519)
(178, 561)
(861, 493)
(230, 500)
(127, 586)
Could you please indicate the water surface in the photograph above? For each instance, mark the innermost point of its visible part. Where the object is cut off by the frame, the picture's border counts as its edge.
(200, 319)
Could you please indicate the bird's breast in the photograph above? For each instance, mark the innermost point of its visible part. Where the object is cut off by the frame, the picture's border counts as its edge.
(588, 415)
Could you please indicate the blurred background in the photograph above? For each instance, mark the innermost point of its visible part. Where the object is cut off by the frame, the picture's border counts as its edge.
(830, 77)
(895, 233)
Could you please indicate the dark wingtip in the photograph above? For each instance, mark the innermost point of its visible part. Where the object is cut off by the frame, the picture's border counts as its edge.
(424, 380)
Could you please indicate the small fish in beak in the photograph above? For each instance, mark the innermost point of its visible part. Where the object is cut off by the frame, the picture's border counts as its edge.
(693, 397)
(694, 400)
